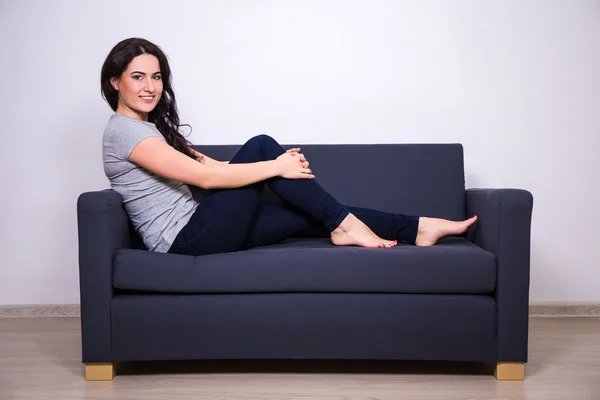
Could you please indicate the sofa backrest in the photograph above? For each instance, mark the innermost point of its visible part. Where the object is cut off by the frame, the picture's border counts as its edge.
(414, 179)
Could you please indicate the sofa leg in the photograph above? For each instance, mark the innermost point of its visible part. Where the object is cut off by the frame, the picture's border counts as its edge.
(99, 371)
(509, 371)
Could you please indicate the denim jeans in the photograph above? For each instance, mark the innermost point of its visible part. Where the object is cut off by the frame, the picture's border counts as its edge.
(235, 219)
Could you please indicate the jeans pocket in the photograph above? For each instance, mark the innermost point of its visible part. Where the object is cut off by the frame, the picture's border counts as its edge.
(191, 233)
(196, 231)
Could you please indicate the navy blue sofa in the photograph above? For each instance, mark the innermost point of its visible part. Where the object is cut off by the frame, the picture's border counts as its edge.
(464, 299)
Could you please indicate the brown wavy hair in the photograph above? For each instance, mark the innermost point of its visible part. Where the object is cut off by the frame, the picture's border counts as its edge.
(164, 115)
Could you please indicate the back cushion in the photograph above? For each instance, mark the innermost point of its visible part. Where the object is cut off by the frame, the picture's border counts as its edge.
(413, 179)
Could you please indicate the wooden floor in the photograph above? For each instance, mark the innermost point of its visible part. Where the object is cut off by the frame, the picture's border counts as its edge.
(40, 358)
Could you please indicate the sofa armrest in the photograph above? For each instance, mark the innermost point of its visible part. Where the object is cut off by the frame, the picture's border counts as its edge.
(103, 227)
(504, 228)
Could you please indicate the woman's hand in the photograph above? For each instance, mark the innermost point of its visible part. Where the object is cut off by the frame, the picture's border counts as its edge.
(303, 159)
(293, 165)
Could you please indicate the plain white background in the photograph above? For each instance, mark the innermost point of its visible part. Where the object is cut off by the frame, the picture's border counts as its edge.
(516, 82)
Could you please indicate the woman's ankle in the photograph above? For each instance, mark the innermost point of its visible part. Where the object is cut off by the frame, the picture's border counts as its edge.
(343, 218)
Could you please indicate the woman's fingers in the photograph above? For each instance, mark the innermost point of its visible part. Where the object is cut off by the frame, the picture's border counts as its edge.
(306, 173)
(302, 159)
(296, 151)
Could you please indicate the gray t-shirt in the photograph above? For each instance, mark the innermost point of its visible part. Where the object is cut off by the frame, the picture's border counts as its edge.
(158, 207)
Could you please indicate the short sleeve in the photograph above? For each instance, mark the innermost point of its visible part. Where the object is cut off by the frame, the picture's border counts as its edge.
(124, 137)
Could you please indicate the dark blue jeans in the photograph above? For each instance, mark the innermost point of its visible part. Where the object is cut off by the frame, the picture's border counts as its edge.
(235, 219)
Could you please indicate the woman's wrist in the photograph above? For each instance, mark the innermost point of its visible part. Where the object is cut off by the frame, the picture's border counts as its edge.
(274, 168)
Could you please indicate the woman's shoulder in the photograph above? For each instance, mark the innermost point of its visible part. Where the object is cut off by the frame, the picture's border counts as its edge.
(121, 125)
(118, 121)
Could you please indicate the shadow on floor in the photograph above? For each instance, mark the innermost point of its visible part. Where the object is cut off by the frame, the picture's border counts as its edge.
(305, 366)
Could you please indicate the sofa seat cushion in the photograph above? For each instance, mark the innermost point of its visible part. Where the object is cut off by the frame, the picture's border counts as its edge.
(454, 265)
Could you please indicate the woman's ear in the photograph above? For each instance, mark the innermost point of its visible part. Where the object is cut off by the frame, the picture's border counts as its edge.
(115, 83)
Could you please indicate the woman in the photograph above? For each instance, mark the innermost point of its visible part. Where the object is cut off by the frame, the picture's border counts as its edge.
(150, 164)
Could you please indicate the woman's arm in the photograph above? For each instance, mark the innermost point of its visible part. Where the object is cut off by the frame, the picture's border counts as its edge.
(204, 159)
(158, 157)
(209, 161)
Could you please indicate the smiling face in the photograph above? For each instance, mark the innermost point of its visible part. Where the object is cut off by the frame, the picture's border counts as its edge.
(140, 87)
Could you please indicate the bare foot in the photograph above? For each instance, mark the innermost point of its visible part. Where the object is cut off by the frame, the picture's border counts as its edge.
(433, 229)
(352, 231)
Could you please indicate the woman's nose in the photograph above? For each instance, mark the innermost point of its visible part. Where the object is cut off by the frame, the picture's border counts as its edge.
(149, 85)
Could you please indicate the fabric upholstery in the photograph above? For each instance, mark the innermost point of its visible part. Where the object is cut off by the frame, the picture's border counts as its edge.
(455, 265)
(505, 230)
(304, 326)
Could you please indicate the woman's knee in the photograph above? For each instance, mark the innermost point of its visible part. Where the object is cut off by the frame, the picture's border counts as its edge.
(268, 146)
(262, 138)
(255, 149)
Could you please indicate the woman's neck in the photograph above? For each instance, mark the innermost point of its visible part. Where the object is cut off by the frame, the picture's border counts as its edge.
(131, 113)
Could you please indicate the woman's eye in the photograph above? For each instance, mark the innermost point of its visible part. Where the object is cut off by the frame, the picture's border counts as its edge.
(136, 77)
(157, 77)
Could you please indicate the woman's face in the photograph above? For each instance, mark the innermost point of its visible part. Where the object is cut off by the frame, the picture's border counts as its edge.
(139, 87)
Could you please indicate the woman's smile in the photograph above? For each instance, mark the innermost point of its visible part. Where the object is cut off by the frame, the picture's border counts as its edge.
(148, 99)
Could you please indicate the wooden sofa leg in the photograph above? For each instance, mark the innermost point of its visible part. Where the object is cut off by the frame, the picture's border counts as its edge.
(99, 371)
(509, 371)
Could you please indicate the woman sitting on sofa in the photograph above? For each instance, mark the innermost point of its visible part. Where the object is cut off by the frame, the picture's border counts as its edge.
(150, 164)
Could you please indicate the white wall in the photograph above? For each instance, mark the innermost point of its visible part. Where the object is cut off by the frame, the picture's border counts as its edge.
(517, 82)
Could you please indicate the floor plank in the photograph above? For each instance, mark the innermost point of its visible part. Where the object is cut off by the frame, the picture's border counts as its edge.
(40, 358)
